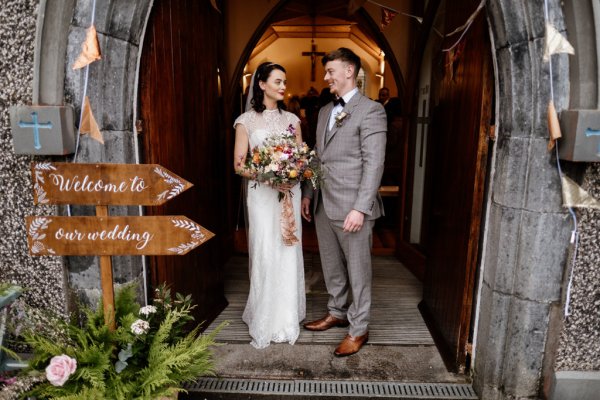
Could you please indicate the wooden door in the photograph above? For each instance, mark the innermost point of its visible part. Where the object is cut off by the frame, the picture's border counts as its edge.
(180, 109)
(457, 156)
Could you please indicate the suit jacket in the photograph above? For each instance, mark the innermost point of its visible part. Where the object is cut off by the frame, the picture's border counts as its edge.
(351, 159)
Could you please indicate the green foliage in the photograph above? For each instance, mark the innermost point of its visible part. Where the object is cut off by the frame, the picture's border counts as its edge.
(147, 356)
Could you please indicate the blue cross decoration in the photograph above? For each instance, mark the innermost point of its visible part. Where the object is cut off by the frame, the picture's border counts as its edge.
(593, 132)
(36, 128)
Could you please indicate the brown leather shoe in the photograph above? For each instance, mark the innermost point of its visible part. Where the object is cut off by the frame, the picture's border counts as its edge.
(328, 321)
(351, 345)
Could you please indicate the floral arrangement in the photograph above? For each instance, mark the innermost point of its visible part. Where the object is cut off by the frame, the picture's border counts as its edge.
(148, 356)
(339, 118)
(282, 160)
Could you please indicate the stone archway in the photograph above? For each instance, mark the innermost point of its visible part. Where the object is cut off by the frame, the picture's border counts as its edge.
(526, 230)
(524, 255)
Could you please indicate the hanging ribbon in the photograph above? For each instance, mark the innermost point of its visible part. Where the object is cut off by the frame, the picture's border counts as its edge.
(288, 222)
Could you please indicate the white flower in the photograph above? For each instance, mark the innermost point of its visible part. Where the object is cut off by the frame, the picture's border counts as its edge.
(60, 368)
(140, 327)
(147, 310)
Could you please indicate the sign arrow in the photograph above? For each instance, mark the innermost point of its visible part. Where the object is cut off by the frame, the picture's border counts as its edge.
(103, 184)
(82, 236)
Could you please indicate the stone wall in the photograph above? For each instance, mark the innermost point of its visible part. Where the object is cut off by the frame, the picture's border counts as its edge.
(579, 348)
(111, 90)
(527, 230)
(43, 277)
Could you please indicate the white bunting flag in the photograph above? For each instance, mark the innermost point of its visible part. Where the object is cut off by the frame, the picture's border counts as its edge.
(556, 43)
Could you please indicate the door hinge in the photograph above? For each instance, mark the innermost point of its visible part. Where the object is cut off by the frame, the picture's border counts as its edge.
(492, 132)
(139, 126)
(469, 349)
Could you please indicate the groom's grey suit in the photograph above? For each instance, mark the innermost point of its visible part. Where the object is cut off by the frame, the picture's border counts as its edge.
(352, 156)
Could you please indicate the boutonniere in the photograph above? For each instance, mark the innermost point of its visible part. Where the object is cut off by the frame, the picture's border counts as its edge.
(339, 118)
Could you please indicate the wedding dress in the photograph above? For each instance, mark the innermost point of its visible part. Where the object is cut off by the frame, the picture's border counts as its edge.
(276, 302)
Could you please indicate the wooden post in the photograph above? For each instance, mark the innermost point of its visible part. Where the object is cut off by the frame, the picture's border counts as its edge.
(106, 277)
(102, 235)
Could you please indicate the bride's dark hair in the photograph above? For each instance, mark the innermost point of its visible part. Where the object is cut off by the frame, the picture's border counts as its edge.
(262, 74)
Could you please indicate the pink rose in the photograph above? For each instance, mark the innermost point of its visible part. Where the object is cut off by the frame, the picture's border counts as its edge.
(60, 368)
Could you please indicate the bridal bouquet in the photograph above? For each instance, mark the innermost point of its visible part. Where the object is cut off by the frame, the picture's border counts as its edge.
(282, 160)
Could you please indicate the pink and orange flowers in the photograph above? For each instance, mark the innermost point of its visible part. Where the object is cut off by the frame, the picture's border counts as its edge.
(282, 160)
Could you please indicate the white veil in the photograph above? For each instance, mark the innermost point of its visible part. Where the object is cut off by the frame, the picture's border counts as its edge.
(250, 94)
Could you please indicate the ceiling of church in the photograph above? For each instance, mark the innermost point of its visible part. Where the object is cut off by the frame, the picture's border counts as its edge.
(317, 19)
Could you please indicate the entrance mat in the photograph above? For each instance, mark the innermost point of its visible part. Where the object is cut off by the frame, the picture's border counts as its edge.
(395, 318)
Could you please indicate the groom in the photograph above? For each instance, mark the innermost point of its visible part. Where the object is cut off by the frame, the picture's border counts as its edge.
(351, 135)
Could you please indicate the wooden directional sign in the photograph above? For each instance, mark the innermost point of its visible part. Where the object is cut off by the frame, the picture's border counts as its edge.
(103, 184)
(79, 236)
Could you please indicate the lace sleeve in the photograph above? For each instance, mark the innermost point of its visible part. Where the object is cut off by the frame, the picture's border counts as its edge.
(242, 119)
(293, 119)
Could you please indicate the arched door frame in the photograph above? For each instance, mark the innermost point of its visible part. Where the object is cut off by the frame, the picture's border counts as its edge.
(363, 18)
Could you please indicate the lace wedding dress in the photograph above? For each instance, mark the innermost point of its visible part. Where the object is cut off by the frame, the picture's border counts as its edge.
(276, 302)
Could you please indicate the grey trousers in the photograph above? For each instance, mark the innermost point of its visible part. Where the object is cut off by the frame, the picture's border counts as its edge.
(346, 262)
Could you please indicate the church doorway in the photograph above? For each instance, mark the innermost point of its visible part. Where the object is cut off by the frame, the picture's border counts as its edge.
(435, 175)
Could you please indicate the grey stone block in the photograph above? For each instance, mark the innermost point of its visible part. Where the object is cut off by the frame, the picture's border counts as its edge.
(118, 147)
(508, 22)
(511, 172)
(524, 352)
(110, 82)
(516, 86)
(581, 135)
(491, 339)
(127, 269)
(575, 385)
(124, 19)
(501, 255)
(543, 244)
(546, 197)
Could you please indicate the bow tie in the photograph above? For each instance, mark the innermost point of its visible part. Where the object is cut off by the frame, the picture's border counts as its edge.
(338, 101)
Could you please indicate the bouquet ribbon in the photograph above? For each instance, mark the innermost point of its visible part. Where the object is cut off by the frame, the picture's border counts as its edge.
(288, 222)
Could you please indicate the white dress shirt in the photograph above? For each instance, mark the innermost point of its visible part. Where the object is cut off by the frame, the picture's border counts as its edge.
(338, 109)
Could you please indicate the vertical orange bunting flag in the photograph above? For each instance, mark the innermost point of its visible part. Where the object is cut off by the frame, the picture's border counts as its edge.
(387, 15)
(553, 125)
(88, 122)
(90, 49)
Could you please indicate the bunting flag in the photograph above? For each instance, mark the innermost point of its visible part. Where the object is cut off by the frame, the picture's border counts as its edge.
(575, 196)
(354, 5)
(88, 122)
(90, 49)
(553, 125)
(387, 15)
(556, 43)
(419, 19)
(214, 4)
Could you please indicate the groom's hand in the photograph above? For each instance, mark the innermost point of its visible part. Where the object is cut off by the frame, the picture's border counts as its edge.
(354, 221)
(306, 208)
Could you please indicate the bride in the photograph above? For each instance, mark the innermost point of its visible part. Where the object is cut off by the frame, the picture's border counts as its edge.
(276, 302)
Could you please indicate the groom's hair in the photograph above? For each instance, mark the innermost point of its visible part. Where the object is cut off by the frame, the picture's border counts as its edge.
(343, 54)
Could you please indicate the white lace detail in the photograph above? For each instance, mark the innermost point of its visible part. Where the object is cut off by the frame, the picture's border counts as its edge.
(276, 301)
(272, 121)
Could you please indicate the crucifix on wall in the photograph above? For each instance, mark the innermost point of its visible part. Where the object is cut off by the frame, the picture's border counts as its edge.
(313, 54)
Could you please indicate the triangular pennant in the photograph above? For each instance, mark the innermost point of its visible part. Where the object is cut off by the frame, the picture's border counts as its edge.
(575, 196)
(214, 4)
(88, 122)
(419, 19)
(354, 5)
(90, 49)
(553, 125)
(556, 43)
(387, 15)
